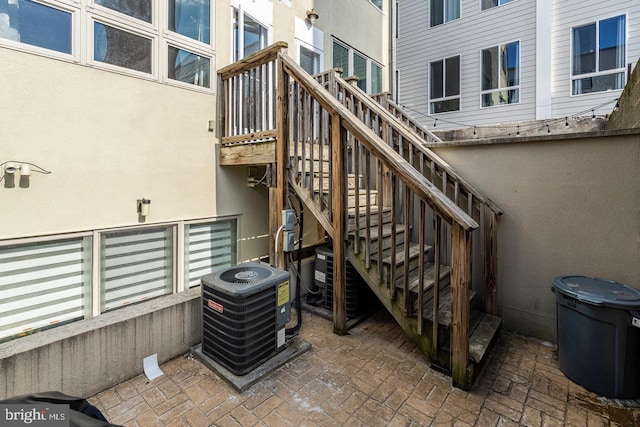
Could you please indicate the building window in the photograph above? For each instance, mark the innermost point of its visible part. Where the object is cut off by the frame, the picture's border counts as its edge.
(488, 4)
(191, 18)
(444, 11)
(50, 282)
(36, 24)
(376, 78)
(121, 36)
(208, 247)
(249, 36)
(188, 67)
(377, 3)
(355, 63)
(44, 284)
(122, 48)
(136, 265)
(309, 60)
(598, 56)
(444, 85)
(140, 9)
(501, 74)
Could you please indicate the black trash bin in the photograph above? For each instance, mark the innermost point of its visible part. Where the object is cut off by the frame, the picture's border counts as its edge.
(599, 334)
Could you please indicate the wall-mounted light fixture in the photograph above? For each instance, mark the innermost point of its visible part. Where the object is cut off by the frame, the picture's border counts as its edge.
(144, 207)
(25, 169)
(13, 170)
(10, 168)
(312, 16)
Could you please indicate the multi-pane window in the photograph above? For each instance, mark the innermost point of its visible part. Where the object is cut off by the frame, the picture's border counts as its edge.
(501, 74)
(598, 56)
(50, 282)
(36, 24)
(352, 62)
(444, 85)
(442, 11)
(487, 4)
(249, 36)
(123, 36)
(377, 3)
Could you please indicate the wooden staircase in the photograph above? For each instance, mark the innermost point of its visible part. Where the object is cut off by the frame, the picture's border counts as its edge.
(401, 216)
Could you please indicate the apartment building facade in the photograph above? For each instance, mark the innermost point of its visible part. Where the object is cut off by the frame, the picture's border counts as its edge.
(464, 63)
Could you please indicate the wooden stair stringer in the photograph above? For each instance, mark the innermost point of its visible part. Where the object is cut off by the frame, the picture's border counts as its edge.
(321, 215)
(408, 324)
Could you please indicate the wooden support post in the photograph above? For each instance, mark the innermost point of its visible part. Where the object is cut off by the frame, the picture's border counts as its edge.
(490, 270)
(281, 154)
(338, 177)
(460, 307)
(274, 223)
(437, 227)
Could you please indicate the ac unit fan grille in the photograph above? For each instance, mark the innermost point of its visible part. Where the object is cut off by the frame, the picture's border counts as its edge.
(245, 276)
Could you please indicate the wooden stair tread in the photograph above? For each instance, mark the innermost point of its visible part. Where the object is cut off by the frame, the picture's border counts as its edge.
(373, 209)
(414, 251)
(374, 231)
(429, 278)
(483, 336)
(444, 305)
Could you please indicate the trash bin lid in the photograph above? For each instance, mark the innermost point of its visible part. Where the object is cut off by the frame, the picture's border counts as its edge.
(598, 291)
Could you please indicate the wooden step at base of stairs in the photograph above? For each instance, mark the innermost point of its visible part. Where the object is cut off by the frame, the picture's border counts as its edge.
(484, 329)
(483, 337)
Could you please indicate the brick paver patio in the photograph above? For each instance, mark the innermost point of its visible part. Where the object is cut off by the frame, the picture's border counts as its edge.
(372, 377)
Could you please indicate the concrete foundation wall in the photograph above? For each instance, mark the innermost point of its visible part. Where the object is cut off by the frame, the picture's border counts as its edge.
(85, 357)
(571, 207)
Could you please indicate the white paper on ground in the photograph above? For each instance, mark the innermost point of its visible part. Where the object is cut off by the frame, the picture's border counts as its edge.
(151, 368)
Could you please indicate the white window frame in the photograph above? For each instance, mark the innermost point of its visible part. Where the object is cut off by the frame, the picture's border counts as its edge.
(310, 38)
(129, 29)
(253, 9)
(445, 18)
(622, 70)
(317, 63)
(506, 88)
(65, 6)
(373, 3)
(85, 12)
(444, 83)
(86, 285)
(351, 53)
(500, 3)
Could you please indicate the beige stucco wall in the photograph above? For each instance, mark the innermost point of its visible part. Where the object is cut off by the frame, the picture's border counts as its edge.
(571, 207)
(108, 139)
(360, 24)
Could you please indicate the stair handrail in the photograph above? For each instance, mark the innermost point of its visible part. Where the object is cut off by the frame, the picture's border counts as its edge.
(418, 183)
(417, 142)
(384, 98)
